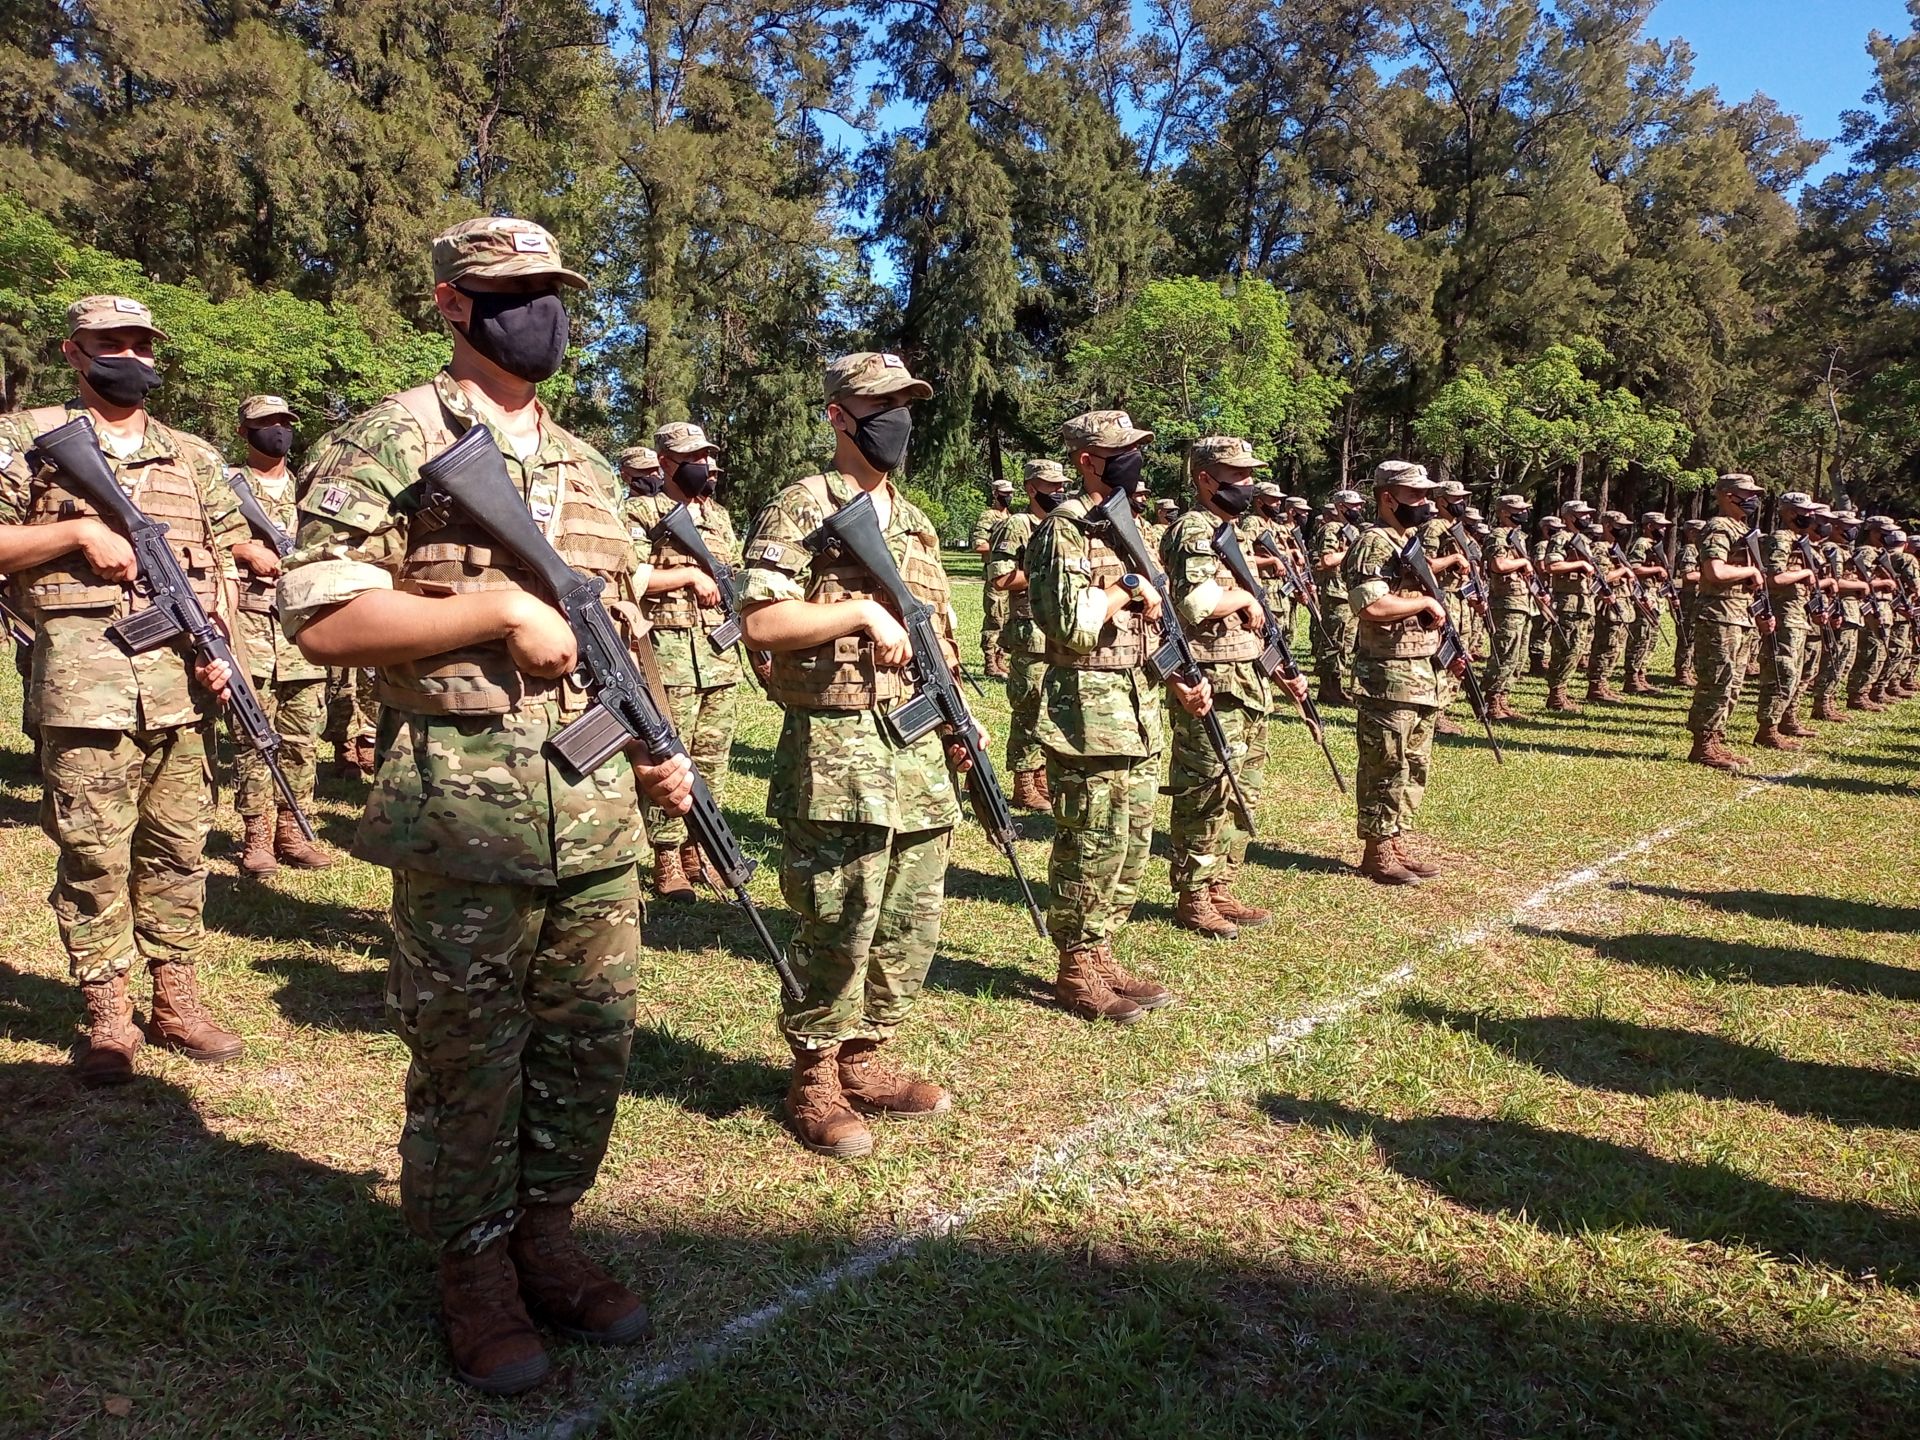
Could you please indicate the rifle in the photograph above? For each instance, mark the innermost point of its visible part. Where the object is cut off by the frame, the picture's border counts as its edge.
(854, 532)
(18, 630)
(1820, 606)
(256, 515)
(471, 477)
(1902, 599)
(1537, 588)
(1277, 657)
(1761, 606)
(175, 611)
(1642, 602)
(1297, 581)
(1112, 522)
(677, 525)
(1475, 591)
(1453, 649)
(1869, 602)
(1597, 585)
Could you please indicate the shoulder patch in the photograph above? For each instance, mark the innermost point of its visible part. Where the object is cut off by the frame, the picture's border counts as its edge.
(781, 556)
(332, 500)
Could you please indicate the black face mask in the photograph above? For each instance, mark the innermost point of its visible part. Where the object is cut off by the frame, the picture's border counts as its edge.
(1408, 516)
(882, 438)
(646, 482)
(695, 479)
(121, 379)
(1352, 514)
(1233, 500)
(1750, 506)
(525, 335)
(1045, 500)
(1457, 509)
(1523, 519)
(1122, 472)
(274, 440)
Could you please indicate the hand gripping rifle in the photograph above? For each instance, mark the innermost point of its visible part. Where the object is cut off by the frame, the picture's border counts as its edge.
(1112, 521)
(678, 527)
(1902, 598)
(1597, 585)
(1277, 657)
(1869, 602)
(1453, 650)
(174, 611)
(1642, 601)
(471, 477)
(853, 531)
(1297, 581)
(1536, 583)
(1475, 591)
(1822, 607)
(1761, 606)
(256, 515)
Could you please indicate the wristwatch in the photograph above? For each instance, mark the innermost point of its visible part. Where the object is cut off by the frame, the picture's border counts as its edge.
(1132, 583)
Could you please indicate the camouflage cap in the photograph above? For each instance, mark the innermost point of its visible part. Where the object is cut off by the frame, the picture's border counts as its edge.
(1044, 472)
(1298, 502)
(1165, 505)
(1846, 516)
(1450, 490)
(1552, 523)
(1267, 490)
(1512, 502)
(1103, 430)
(111, 312)
(1404, 473)
(873, 372)
(1735, 480)
(1798, 500)
(1885, 522)
(260, 407)
(1224, 450)
(1575, 507)
(1003, 487)
(682, 437)
(498, 247)
(1896, 536)
(1473, 513)
(1617, 517)
(1346, 497)
(1654, 517)
(1694, 525)
(639, 458)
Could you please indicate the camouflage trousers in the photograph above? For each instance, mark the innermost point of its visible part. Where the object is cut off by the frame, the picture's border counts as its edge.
(703, 719)
(298, 710)
(1836, 660)
(1870, 664)
(352, 711)
(1333, 656)
(1462, 616)
(1395, 745)
(1642, 635)
(1609, 644)
(130, 813)
(1102, 838)
(1782, 672)
(1683, 638)
(516, 1003)
(1209, 842)
(1900, 654)
(995, 606)
(1024, 674)
(1506, 649)
(1540, 640)
(1720, 655)
(867, 900)
(1569, 642)
(1812, 654)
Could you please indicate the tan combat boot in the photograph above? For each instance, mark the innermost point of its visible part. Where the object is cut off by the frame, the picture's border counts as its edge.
(1558, 702)
(1026, 794)
(294, 848)
(1237, 910)
(870, 1085)
(1790, 724)
(112, 1037)
(1082, 988)
(495, 1348)
(1404, 853)
(1042, 789)
(1828, 713)
(817, 1110)
(181, 1021)
(565, 1288)
(693, 864)
(1193, 910)
(1640, 685)
(1601, 692)
(1718, 742)
(1445, 724)
(1768, 737)
(1863, 701)
(1380, 863)
(257, 858)
(1878, 694)
(669, 877)
(1147, 994)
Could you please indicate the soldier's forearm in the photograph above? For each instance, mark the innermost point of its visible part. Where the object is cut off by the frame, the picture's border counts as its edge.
(24, 546)
(673, 577)
(390, 627)
(801, 624)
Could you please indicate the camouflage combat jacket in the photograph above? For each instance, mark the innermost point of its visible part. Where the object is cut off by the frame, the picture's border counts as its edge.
(986, 527)
(1332, 536)
(78, 677)
(1835, 553)
(680, 624)
(1725, 604)
(1019, 636)
(1875, 608)
(1573, 591)
(1778, 552)
(1510, 594)
(271, 656)
(1392, 664)
(1227, 646)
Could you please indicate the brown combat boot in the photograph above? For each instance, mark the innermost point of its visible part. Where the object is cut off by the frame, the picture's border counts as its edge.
(1444, 724)
(181, 1022)
(294, 848)
(1380, 863)
(817, 1110)
(1147, 994)
(669, 877)
(1790, 724)
(1042, 789)
(1600, 692)
(257, 859)
(1828, 713)
(1863, 701)
(1768, 737)
(1193, 910)
(870, 1085)
(1082, 988)
(1026, 794)
(1558, 702)
(565, 1288)
(1638, 684)
(495, 1348)
(1878, 694)
(1237, 910)
(1404, 853)
(693, 864)
(112, 1037)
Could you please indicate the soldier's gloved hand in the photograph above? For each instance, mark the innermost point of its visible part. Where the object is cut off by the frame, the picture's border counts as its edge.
(1196, 699)
(890, 644)
(108, 552)
(538, 637)
(215, 676)
(668, 784)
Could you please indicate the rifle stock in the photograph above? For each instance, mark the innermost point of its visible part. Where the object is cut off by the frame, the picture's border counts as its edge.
(256, 515)
(678, 525)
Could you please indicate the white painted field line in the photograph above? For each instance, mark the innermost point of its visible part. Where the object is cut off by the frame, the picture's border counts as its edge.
(1064, 1153)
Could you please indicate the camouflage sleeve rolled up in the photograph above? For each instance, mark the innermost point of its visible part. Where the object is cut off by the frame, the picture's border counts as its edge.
(1370, 568)
(773, 561)
(1009, 547)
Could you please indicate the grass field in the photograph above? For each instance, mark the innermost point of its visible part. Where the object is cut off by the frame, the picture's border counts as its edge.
(1612, 1131)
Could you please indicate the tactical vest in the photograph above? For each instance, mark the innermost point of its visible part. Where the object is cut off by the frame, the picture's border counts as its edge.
(456, 557)
(1513, 584)
(1121, 641)
(678, 609)
(843, 674)
(163, 489)
(257, 592)
(1402, 640)
(1223, 639)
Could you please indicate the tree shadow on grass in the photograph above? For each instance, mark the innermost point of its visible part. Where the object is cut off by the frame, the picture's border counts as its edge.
(1654, 1060)
(1740, 962)
(670, 1066)
(1847, 784)
(261, 911)
(20, 788)
(38, 1009)
(1573, 1185)
(1821, 911)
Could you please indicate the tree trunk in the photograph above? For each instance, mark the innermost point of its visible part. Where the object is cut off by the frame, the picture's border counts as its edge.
(995, 461)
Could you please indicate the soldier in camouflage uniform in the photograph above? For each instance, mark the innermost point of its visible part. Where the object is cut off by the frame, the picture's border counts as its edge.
(1686, 569)
(682, 607)
(1100, 722)
(1782, 658)
(1025, 647)
(1571, 579)
(125, 741)
(1223, 624)
(292, 688)
(1333, 661)
(1613, 611)
(1646, 557)
(1865, 679)
(1724, 627)
(1396, 683)
(353, 720)
(865, 822)
(1901, 560)
(516, 893)
(1271, 517)
(1511, 603)
(1842, 643)
(993, 603)
(1452, 569)
(1540, 638)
